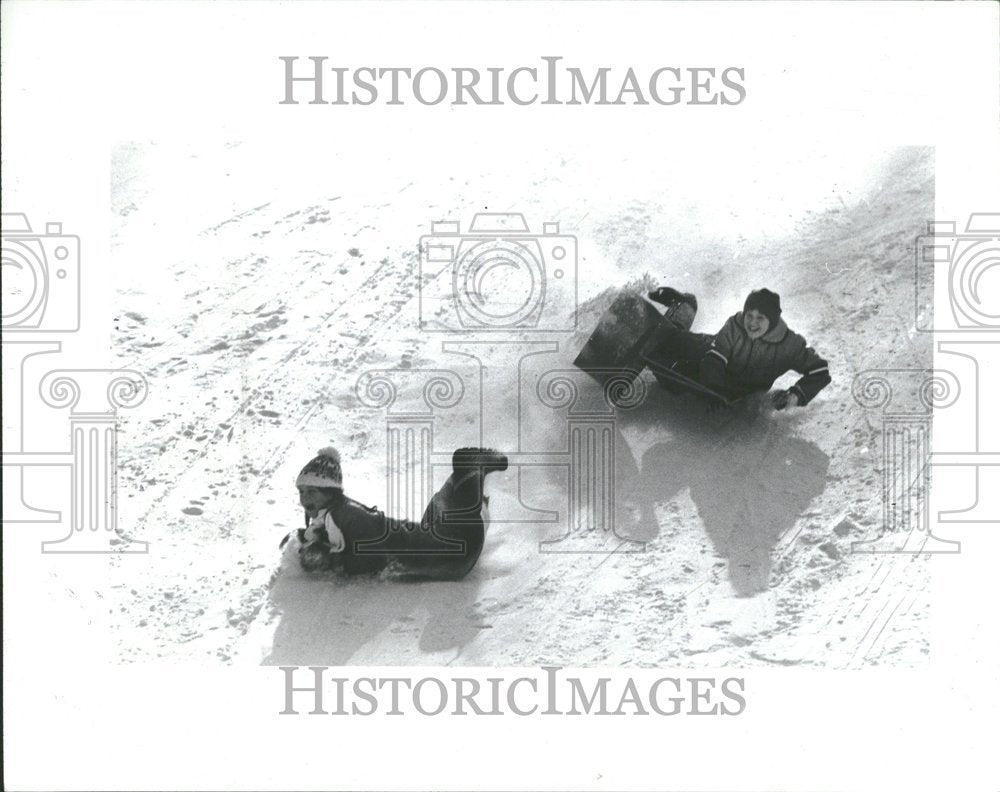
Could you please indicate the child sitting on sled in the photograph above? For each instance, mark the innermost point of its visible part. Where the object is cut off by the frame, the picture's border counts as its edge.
(342, 534)
(753, 349)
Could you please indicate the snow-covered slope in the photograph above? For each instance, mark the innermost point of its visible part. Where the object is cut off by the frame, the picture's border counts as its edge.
(253, 294)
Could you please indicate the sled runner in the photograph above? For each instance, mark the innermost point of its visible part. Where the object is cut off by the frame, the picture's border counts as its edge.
(674, 380)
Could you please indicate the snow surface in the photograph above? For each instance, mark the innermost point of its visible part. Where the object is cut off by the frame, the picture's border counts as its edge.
(254, 290)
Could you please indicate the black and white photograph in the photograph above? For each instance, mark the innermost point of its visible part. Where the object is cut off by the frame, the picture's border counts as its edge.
(493, 395)
(639, 393)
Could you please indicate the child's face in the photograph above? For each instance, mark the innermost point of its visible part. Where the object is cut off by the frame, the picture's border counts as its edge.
(755, 323)
(313, 499)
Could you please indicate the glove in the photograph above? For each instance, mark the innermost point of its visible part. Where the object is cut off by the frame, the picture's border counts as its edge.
(666, 296)
(315, 556)
(783, 399)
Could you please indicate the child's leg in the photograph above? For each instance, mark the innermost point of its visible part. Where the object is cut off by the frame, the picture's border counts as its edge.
(670, 344)
(451, 549)
(453, 531)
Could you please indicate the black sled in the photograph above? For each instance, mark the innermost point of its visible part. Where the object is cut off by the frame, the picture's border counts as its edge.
(616, 349)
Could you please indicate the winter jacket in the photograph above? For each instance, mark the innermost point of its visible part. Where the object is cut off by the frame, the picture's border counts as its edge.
(737, 365)
(368, 534)
(446, 550)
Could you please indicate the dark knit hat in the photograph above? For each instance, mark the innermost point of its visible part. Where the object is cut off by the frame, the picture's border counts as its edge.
(765, 301)
(322, 470)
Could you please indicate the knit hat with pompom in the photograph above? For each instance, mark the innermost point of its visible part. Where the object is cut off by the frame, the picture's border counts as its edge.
(323, 470)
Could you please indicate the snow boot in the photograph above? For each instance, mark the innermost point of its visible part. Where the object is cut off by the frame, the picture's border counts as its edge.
(681, 306)
(485, 459)
(667, 296)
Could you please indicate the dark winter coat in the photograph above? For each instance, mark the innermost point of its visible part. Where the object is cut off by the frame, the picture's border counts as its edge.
(366, 531)
(737, 365)
(445, 545)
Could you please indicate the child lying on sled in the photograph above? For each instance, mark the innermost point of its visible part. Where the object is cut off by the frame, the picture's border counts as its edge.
(753, 349)
(342, 534)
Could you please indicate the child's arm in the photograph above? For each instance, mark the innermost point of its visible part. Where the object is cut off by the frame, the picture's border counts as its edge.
(816, 375)
(712, 369)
